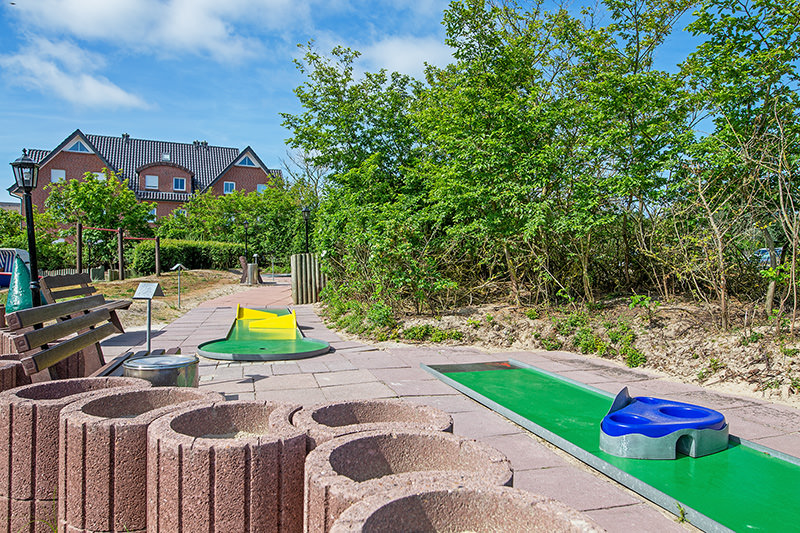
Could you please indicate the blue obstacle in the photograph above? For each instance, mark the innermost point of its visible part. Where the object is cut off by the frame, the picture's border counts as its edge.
(643, 427)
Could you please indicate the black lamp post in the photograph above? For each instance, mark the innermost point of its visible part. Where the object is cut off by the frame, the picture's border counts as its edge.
(306, 213)
(26, 174)
(245, 238)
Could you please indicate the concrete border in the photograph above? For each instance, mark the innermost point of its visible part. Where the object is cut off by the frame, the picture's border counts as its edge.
(326, 421)
(348, 469)
(102, 470)
(232, 466)
(443, 507)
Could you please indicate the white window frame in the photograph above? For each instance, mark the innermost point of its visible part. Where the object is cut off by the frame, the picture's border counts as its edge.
(261, 187)
(249, 164)
(174, 188)
(75, 142)
(99, 175)
(225, 187)
(57, 175)
(148, 178)
(153, 214)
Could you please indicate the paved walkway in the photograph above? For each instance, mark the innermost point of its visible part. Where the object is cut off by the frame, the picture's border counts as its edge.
(359, 371)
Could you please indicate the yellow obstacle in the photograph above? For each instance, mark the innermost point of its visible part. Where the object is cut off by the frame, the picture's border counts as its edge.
(243, 313)
(276, 322)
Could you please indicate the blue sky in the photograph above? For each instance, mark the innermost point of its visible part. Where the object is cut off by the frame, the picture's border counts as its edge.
(180, 70)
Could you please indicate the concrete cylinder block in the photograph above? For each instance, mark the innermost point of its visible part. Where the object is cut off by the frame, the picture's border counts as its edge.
(8, 374)
(324, 422)
(441, 507)
(226, 466)
(348, 469)
(102, 462)
(29, 444)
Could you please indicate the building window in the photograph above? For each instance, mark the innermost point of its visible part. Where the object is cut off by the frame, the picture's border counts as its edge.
(182, 212)
(78, 146)
(261, 188)
(152, 217)
(57, 175)
(246, 162)
(228, 187)
(99, 175)
(151, 182)
(178, 184)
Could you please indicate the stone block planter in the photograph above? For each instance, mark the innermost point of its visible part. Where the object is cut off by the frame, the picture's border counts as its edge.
(348, 469)
(440, 507)
(102, 461)
(228, 467)
(8, 374)
(324, 422)
(29, 444)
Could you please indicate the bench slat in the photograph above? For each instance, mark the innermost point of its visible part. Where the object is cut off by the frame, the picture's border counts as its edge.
(38, 337)
(45, 313)
(69, 293)
(59, 352)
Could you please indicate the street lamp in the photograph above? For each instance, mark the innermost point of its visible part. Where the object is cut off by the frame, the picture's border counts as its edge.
(245, 237)
(306, 213)
(26, 174)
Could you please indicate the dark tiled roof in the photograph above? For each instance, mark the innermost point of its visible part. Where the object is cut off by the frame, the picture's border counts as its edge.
(158, 196)
(127, 155)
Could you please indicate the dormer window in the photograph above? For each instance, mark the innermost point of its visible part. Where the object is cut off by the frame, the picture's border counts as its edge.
(166, 157)
(179, 184)
(151, 182)
(246, 162)
(78, 146)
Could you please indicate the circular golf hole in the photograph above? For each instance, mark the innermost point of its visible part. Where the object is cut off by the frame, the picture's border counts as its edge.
(649, 400)
(225, 421)
(625, 418)
(683, 412)
(134, 403)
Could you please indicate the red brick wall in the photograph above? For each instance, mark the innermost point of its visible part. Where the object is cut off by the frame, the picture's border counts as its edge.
(165, 174)
(246, 179)
(166, 208)
(74, 164)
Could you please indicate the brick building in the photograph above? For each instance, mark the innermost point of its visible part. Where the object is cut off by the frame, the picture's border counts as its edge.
(166, 173)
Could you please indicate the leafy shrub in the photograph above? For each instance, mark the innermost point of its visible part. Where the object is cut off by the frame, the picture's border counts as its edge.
(532, 314)
(192, 254)
(551, 343)
(428, 332)
(380, 315)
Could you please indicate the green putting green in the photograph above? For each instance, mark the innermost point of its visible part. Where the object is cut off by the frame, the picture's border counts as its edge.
(743, 488)
(260, 344)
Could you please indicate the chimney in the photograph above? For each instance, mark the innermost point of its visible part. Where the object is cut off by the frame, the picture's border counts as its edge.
(126, 138)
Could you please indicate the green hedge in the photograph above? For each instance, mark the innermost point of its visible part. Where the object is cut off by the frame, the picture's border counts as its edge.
(192, 254)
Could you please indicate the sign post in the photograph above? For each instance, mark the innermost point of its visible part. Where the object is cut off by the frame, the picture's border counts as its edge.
(146, 291)
(179, 267)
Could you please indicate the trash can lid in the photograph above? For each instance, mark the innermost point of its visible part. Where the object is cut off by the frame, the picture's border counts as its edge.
(156, 362)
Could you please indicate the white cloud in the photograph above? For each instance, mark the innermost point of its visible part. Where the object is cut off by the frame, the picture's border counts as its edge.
(212, 28)
(65, 70)
(406, 54)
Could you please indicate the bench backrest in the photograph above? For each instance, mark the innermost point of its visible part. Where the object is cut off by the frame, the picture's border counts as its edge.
(57, 288)
(51, 333)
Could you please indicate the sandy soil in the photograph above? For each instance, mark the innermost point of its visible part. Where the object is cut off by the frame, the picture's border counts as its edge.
(680, 341)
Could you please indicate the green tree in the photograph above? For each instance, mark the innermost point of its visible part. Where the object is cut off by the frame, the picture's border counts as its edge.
(101, 202)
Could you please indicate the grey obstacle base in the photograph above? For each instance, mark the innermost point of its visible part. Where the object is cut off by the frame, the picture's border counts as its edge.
(688, 441)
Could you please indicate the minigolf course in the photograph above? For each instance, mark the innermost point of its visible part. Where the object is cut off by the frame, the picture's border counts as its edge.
(263, 335)
(741, 486)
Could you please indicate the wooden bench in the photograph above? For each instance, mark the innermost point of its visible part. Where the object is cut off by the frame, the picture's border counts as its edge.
(62, 340)
(59, 288)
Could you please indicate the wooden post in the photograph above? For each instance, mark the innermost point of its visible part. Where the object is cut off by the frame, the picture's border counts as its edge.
(79, 246)
(158, 257)
(121, 258)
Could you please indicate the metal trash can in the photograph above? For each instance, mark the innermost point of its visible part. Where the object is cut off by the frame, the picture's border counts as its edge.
(165, 370)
